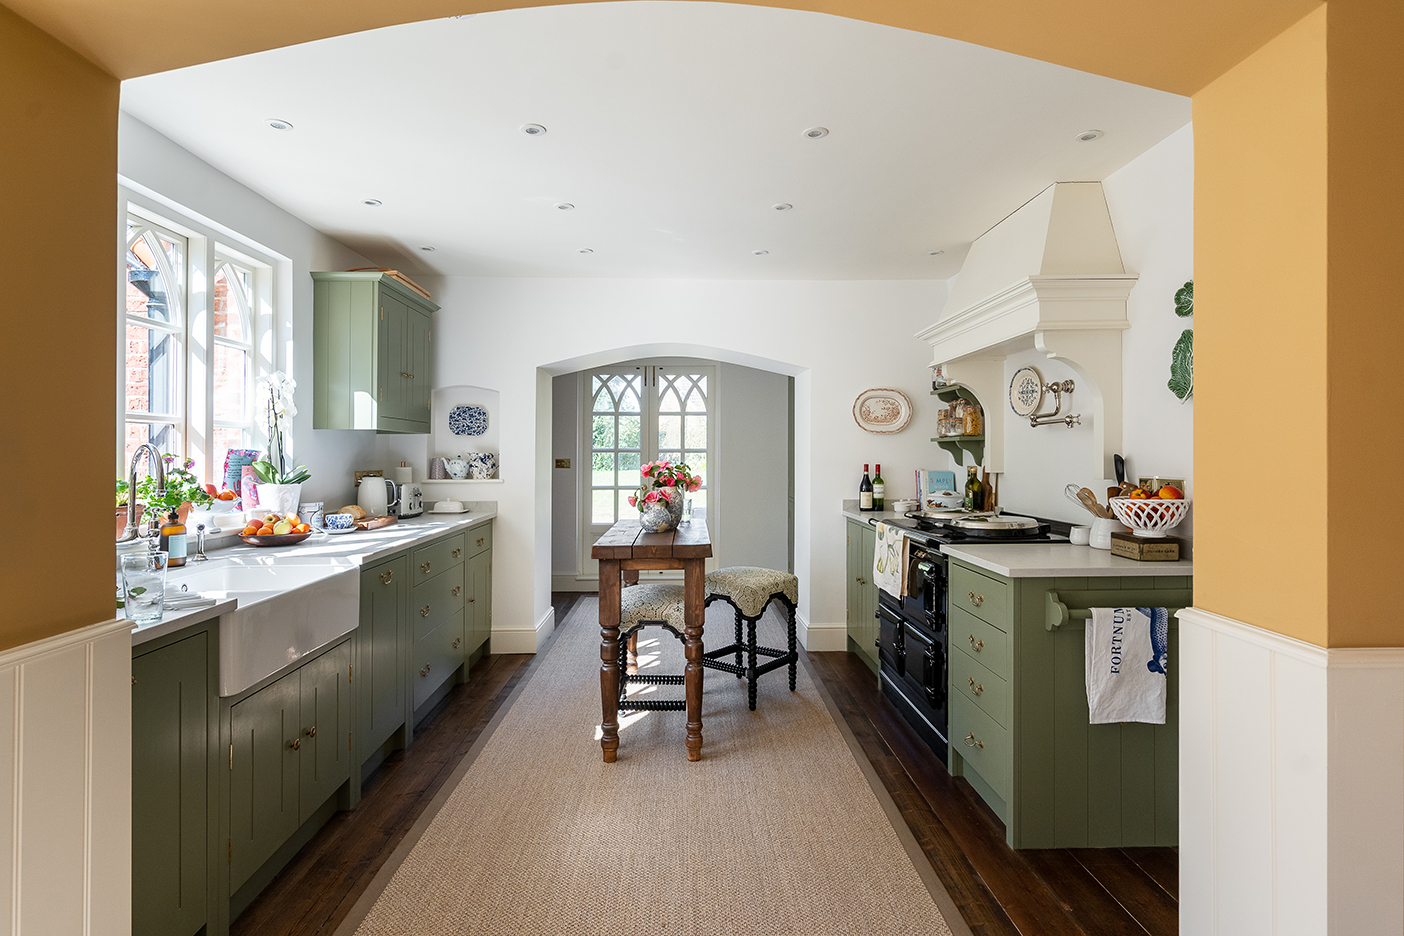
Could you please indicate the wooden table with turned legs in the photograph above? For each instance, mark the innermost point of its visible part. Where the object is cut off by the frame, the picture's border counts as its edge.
(625, 549)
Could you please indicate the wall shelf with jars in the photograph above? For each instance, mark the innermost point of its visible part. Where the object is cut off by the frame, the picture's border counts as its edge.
(960, 425)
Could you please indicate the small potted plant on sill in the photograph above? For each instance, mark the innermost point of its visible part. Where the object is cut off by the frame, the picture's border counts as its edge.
(183, 490)
(279, 487)
(660, 498)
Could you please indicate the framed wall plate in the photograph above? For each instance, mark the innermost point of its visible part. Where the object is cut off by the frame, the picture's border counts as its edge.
(882, 410)
(468, 420)
(1025, 392)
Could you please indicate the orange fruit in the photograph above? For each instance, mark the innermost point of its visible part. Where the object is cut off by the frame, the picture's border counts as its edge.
(226, 495)
(250, 530)
(293, 519)
(302, 528)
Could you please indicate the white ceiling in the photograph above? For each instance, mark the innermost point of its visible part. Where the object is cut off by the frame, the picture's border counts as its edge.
(672, 127)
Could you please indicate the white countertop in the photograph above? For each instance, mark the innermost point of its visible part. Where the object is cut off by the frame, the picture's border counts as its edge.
(345, 550)
(1044, 560)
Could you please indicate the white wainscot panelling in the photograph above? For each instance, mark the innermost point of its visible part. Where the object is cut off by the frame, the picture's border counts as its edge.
(1291, 784)
(65, 784)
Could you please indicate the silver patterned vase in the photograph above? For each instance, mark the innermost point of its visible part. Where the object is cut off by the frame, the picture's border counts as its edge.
(660, 516)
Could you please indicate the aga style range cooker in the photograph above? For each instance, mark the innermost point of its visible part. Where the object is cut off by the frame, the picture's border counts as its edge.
(913, 637)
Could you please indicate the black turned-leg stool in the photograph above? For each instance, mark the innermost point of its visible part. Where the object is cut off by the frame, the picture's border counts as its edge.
(750, 590)
(657, 604)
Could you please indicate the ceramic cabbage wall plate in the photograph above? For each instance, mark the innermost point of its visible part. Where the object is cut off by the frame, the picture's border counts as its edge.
(882, 410)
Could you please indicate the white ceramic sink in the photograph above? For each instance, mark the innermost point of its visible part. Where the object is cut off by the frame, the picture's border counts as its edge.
(285, 612)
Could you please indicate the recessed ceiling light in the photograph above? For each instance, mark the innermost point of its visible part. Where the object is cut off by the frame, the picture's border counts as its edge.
(533, 129)
(586, 250)
(815, 133)
(278, 124)
(427, 249)
(1087, 136)
(937, 253)
(760, 253)
(783, 206)
(565, 206)
(371, 202)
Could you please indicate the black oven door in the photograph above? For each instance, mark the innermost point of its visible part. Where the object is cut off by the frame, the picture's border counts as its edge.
(925, 667)
(892, 651)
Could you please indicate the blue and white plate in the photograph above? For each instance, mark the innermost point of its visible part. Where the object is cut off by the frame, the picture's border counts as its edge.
(468, 420)
(1025, 392)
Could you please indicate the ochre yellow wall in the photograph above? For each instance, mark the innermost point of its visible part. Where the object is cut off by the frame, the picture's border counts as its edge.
(1365, 324)
(1260, 283)
(58, 163)
(1179, 46)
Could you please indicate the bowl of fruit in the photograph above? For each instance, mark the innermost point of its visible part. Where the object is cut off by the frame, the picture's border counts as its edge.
(1149, 514)
(273, 530)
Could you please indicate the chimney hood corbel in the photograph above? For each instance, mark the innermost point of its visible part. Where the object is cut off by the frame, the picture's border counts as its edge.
(1047, 277)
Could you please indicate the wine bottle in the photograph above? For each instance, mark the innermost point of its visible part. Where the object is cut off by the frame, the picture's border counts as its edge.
(865, 491)
(879, 489)
(973, 490)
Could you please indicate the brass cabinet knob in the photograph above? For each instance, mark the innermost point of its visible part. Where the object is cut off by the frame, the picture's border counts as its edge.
(296, 744)
(387, 577)
(457, 642)
(977, 600)
(312, 732)
(480, 541)
(472, 601)
(456, 590)
(424, 566)
(974, 688)
(424, 611)
(457, 553)
(970, 741)
(976, 645)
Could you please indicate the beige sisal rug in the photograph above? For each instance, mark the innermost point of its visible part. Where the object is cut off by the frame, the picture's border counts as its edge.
(776, 830)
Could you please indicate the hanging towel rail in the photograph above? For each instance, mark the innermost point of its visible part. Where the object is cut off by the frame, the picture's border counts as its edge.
(1056, 613)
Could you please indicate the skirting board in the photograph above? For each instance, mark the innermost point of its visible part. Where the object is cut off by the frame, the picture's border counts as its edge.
(1291, 783)
(821, 637)
(521, 640)
(570, 582)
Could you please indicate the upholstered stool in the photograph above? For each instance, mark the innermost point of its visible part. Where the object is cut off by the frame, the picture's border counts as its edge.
(659, 604)
(750, 590)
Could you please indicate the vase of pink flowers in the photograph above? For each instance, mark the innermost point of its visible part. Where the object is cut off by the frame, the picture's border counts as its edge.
(659, 499)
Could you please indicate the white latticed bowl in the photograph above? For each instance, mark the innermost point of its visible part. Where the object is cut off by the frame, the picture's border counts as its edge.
(1150, 516)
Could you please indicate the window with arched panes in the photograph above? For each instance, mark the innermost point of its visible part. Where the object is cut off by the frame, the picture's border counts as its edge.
(232, 358)
(635, 413)
(153, 336)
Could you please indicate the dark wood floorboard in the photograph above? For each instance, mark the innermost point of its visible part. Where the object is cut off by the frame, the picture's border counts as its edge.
(998, 889)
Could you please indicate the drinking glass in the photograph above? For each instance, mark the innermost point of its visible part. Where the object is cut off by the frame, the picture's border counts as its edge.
(144, 587)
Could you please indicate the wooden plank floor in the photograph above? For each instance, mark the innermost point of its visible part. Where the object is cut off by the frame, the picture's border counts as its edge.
(998, 890)
(1057, 892)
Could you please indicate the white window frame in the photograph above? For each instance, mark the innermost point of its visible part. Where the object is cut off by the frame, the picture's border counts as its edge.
(591, 531)
(208, 246)
(177, 327)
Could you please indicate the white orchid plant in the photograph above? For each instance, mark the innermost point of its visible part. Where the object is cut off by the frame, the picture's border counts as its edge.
(275, 408)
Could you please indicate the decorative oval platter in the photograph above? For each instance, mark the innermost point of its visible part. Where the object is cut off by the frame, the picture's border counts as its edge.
(468, 420)
(882, 410)
(1025, 392)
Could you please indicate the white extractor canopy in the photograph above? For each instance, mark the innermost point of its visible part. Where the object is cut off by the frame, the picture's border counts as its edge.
(1049, 277)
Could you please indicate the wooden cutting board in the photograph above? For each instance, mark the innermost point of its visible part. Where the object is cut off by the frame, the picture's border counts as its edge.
(375, 523)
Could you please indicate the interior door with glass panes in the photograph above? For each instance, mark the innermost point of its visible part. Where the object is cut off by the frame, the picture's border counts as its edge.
(636, 413)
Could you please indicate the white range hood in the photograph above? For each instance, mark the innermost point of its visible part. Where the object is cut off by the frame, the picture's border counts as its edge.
(1049, 277)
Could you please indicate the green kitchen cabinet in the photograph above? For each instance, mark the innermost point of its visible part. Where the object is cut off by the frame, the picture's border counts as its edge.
(372, 353)
(479, 623)
(289, 751)
(172, 758)
(1019, 729)
(383, 652)
(861, 593)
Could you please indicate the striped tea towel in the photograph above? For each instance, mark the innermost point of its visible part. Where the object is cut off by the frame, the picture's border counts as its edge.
(890, 560)
(1128, 656)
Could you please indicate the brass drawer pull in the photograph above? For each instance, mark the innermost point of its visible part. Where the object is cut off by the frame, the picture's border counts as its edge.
(457, 642)
(860, 580)
(974, 688)
(457, 553)
(456, 590)
(425, 671)
(407, 374)
(472, 601)
(387, 577)
(424, 611)
(295, 744)
(977, 600)
(976, 645)
(480, 541)
(312, 732)
(424, 566)
(971, 742)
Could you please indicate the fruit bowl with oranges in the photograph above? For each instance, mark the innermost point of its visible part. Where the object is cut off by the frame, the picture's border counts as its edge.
(273, 530)
(1151, 515)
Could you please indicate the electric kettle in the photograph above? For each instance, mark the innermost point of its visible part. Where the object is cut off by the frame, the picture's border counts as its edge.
(377, 495)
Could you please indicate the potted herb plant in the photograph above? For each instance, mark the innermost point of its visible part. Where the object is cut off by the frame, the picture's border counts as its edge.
(183, 490)
(279, 487)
